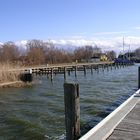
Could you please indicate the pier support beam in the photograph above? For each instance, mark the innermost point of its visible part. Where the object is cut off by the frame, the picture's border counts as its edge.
(75, 71)
(84, 70)
(72, 111)
(51, 74)
(91, 69)
(65, 73)
(139, 78)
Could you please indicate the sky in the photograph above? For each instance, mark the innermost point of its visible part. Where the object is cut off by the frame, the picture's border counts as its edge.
(69, 20)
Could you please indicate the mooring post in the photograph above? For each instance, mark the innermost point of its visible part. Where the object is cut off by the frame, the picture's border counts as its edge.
(68, 72)
(91, 69)
(75, 71)
(51, 74)
(139, 78)
(72, 111)
(84, 70)
(65, 73)
(111, 66)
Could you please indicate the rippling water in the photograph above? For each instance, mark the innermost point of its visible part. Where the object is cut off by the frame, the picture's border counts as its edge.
(37, 113)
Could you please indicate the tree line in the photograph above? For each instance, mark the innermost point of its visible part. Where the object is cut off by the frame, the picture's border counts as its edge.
(38, 52)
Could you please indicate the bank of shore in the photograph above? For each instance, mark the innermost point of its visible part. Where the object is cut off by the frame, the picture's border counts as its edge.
(15, 84)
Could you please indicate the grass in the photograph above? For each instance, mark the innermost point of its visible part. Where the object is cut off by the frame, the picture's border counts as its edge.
(6, 73)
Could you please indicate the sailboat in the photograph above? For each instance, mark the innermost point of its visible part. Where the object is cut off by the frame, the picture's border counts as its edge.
(123, 58)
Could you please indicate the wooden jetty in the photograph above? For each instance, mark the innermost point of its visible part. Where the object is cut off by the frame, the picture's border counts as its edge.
(129, 128)
(66, 69)
(122, 124)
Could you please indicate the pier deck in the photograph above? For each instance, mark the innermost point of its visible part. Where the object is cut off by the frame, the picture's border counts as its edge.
(129, 127)
(121, 124)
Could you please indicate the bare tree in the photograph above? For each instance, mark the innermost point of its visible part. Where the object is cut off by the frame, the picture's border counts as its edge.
(9, 52)
(111, 55)
(35, 52)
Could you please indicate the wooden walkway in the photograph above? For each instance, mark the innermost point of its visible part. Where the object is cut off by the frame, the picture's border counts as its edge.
(129, 127)
(122, 124)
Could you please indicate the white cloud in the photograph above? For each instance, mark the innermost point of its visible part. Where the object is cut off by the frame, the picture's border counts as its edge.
(137, 28)
(110, 33)
(1, 43)
(21, 43)
(115, 43)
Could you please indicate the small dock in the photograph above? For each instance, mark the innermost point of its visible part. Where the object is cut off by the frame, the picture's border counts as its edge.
(129, 127)
(122, 124)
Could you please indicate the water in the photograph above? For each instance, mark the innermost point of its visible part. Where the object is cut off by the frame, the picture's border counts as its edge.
(37, 113)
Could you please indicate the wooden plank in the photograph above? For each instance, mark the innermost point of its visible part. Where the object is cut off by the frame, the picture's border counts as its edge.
(129, 127)
(124, 135)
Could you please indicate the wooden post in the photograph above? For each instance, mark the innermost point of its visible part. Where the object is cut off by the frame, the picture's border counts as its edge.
(72, 111)
(111, 66)
(91, 70)
(107, 67)
(75, 71)
(51, 74)
(139, 78)
(65, 73)
(69, 72)
(84, 70)
(97, 67)
(103, 67)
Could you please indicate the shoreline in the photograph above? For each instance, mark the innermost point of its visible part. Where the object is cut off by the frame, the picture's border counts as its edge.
(15, 84)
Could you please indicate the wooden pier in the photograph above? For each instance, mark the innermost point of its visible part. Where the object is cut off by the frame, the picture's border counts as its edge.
(122, 124)
(67, 69)
(129, 127)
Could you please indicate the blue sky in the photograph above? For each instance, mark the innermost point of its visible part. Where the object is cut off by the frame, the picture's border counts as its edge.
(63, 19)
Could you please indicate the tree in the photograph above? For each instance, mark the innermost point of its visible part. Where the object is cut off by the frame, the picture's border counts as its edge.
(79, 53)
(88, 53)
(111, 55)
(9, 52)
(35, 52)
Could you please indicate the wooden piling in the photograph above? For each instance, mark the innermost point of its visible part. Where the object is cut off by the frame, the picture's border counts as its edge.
(51, 73)
(139, 78)
(91, 69)
(84, 70)
(72, 111)
(75, 71)
(65, 73)
(69, 72)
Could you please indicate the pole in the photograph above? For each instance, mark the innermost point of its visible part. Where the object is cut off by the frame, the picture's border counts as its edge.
(72, 111)
(139, 78)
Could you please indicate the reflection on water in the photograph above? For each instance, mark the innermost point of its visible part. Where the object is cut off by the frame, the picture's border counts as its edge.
(37, 113)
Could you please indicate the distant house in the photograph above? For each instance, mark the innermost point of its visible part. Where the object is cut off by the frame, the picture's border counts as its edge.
(103, 57)
(99, 57)
(95, 59)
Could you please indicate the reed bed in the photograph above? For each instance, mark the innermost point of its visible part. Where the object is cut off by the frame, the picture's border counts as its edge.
(7, 74)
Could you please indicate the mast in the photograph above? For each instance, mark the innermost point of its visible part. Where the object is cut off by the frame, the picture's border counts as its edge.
(129, 52)
(123, 48)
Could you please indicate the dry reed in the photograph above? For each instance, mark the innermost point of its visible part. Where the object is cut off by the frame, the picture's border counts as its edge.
(7, 74)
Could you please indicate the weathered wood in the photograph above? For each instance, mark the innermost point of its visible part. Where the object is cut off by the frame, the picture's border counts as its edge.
(65, 73)
(51, 73)
(75, 68)
(91, 69)
(69, 72)
(129, 127)
(139, 78)
(72, 111)
(84, 70)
